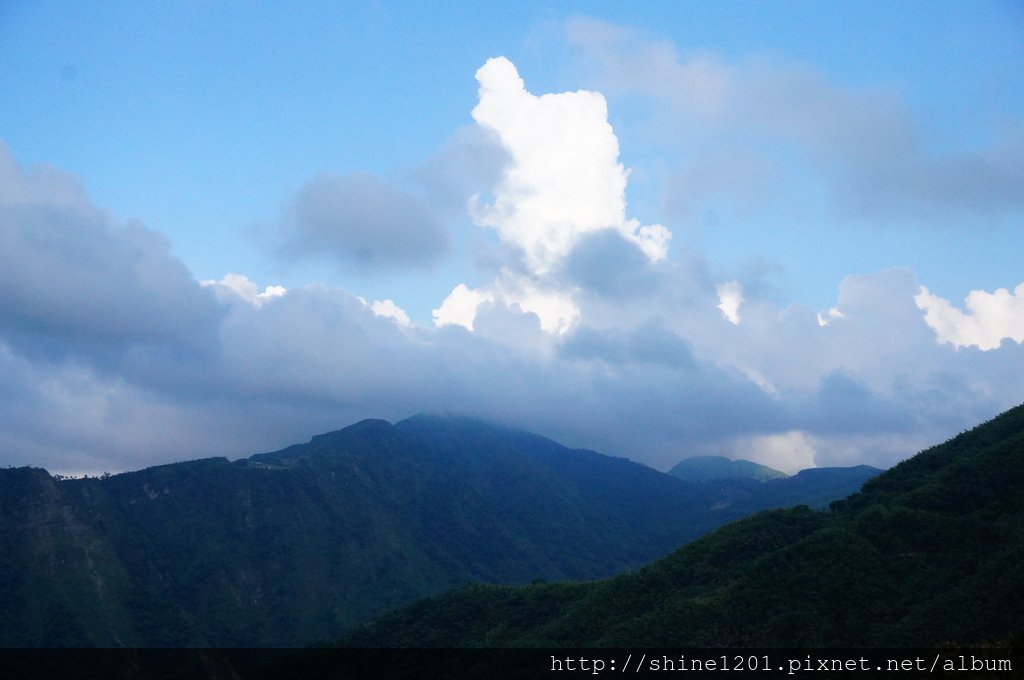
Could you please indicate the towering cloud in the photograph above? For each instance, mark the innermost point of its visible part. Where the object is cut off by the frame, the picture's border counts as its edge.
(563, 180)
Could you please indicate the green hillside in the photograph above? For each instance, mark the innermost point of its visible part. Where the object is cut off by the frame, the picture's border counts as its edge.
(930, 552)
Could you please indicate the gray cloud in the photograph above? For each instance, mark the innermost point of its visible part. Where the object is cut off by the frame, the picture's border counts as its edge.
(471, 161)
(844, 404)
(651, 343)
(608, 264)
(508, 325)
(589, 344)
(72, 278)
(362, 220)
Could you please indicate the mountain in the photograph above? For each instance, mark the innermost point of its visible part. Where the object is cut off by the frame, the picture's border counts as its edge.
(300, 544)
(746, 487)
(814, 487)
(929, 553)
(706, 468)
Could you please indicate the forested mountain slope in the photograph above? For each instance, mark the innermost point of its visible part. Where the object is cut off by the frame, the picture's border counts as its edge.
(930, 552)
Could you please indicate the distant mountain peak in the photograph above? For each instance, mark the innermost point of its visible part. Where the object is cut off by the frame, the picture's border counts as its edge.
(370, 429)
(705, 468)
(363, 427)
(450, 417)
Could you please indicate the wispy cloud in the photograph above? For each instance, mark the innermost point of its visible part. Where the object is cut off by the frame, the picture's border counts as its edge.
(742, 126)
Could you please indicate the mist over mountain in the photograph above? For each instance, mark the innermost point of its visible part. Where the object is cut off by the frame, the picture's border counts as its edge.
(928, 553)
(300, 544)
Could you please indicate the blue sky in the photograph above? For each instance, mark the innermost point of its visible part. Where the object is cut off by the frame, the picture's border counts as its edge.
(753, 166)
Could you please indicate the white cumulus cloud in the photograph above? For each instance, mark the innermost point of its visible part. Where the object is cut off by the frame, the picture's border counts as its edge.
(388, 309)
(562, 181)
(554, 308)
(827, 317)
(241, 286)
(990, 317)
(730, 297)
(564, 178)
(459, 308)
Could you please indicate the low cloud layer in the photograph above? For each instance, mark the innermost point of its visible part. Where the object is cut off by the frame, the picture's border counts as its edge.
(586, 328)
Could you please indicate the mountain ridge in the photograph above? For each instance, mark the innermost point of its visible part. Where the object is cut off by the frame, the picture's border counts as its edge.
(299, 544)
